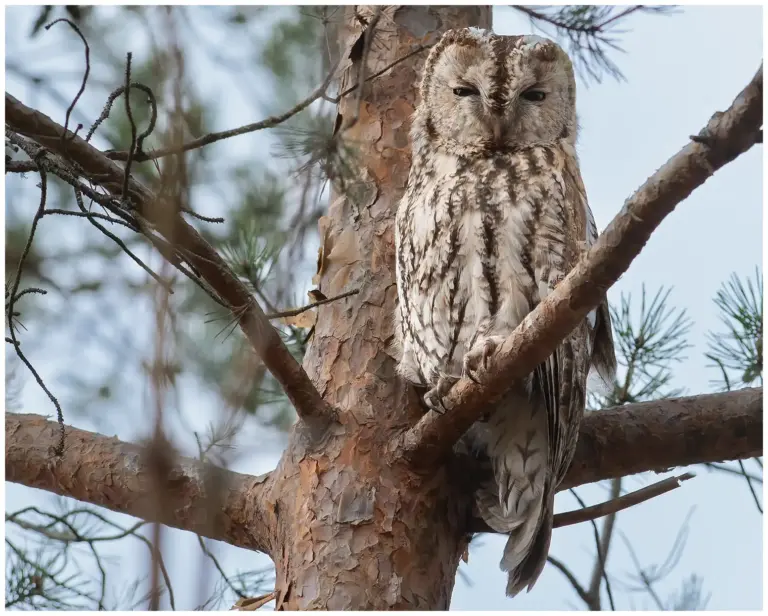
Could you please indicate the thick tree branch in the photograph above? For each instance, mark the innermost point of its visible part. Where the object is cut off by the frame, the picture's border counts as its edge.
(726, 136)
(160, 215)
(107, 472)
(650, 436)
(662, 434)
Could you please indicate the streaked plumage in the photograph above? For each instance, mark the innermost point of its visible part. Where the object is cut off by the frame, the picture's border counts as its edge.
(494, 216)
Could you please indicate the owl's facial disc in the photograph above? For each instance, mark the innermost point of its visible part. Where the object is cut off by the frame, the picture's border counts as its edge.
(505, 92)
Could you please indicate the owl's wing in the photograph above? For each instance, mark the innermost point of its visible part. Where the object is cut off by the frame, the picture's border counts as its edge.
(566, 225)
(603, 359)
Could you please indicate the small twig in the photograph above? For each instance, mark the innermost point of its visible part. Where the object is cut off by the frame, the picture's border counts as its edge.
(623, 502)
(201, 217)
(108, 108)
(599, 553)
(647, 582)
(132, 150)
(85, 76)
(59, 449)
(21, 294)
(118, 241)
(234, 132)
(751, 487)
(216, 564)
(295, 311)
(20, 166)
(605, 544)
(572, 579)
(254, 603)
(76, 536)
(728, 469)
(90, 215)
(335, 100)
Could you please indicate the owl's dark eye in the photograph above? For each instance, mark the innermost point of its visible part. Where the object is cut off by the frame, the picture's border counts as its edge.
(465, 91)
(535, 96)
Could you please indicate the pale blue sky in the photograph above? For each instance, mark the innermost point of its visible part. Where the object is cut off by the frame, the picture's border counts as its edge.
(679, 70)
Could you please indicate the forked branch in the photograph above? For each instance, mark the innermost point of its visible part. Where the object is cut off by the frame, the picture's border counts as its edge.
(726, 136)
(156, 214)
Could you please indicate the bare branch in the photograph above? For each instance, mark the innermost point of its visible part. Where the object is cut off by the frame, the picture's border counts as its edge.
(605, 509)
(600, 554)
(106, 472)
(623, 502)
(85, 74)
(154, 212)
(269, 122)
(418, 49)
(296, 311)
(560, 566)
(727, 136)
(109, 473)
(254, 603)
(13, 294)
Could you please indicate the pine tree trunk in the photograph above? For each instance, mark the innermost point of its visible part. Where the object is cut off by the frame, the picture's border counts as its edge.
(353, 531)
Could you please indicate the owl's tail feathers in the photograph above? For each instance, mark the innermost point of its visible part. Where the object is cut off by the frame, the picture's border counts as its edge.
(529, 536)
(524, 560)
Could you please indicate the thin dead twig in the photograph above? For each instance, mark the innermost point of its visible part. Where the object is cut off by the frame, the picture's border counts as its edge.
(210, 138)
(254, 603)
(727, 469)
(13, 295)
(295, 311)
(623, 502)
(417, 50)
(129, 113)
(560, 566)
(108, 108)
(85, 75)
(751, 487)
(605, 543)
(600, 555)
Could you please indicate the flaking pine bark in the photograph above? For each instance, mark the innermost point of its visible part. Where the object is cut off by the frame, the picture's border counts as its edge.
(368, 507)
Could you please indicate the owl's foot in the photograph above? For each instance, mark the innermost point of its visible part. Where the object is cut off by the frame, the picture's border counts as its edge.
(477, 357)
(434, 397)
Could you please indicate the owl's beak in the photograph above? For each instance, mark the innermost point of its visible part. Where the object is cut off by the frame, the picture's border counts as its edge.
(498, 128)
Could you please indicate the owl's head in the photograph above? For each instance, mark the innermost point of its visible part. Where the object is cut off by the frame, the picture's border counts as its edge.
(481, 91)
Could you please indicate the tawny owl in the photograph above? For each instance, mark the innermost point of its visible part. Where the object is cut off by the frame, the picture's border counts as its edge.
(494, 216)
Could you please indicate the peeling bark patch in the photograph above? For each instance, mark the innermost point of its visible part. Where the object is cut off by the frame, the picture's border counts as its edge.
(309, 588)
(356, 505)
(419, 21)
(339, 599)
(392, 594)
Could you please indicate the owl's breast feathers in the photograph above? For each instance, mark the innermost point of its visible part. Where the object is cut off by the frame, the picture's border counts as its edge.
(480, 241)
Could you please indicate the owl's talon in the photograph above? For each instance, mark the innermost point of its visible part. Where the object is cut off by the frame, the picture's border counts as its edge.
(479, 355)
(434, 397)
